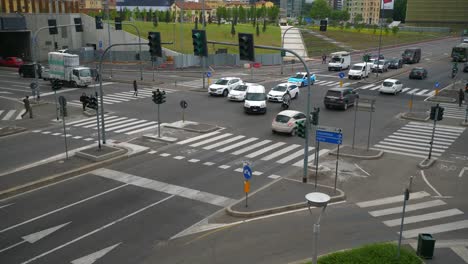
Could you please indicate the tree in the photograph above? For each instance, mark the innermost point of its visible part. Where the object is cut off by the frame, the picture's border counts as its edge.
(258, 30)
(233, 30)
(155, 20)
(358, 19)
(320, 9)
(209, 18)
(374, 29)
(136, 13)
(395, 30)
(196, 22)
(386, 30)
(242, 14)
(168, 16)
(399, 10)
(264, 25)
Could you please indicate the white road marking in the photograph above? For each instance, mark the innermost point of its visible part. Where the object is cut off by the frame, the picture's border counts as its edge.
(238, 144)
(257, 173)
(422, 92)
(404, 151)
(129, 122)
(311, 157)
(152, 152)
(435, 229)
(424, 217)
(6, 205)
(197, 138)
(93, 257)
(224, 167)
(261, 151)
(409, 208)
(256, 145)
(462, 252)
(147, 123)
(9, 115)
(393, 199)
(179, 157)
(164, 154)
(413, 91)
(141, 130)
(405, 89)
(206, 141)
(208, 163)
(281, 152)
(428, 184)
(357, 166)
(274, 176)
(194, 160)
(293, 156)
(88, 139)
(224, 142)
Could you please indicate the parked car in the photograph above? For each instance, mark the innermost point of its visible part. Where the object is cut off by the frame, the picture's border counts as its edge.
(395, 63)
(276, 93)
(301, 80)
(380, 66)
(224, 85)
(238, 93)
(27, 70)
(418, 73)
(285, 121)
(340, 97)
(392, 86)
(465, 68)
(11, 62)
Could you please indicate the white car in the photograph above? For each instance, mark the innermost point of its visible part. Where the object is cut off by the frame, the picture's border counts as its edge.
(392, 86)
(276, 93)
(224, 85)
(238, 93)
(285, 121)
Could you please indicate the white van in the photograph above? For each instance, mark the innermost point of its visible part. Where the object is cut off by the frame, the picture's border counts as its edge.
(339, 60)
(359, 70)
(255, 99)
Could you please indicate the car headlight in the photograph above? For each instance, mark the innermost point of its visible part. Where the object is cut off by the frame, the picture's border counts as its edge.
(247, 104)
(262, 105)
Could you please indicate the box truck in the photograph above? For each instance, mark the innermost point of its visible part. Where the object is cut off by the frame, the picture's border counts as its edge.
(66, 68)
(339, 61)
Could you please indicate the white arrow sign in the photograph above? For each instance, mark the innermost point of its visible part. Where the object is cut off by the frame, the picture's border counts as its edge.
(93, 257)
(462, 171)
(34, 237)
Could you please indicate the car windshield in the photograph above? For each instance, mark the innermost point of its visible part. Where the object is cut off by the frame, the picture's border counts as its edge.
(379, 62)
(336, 59)
(240, 88)
(299, 76)
(85, 73)
(408, 53)
(255, 97)
(388, 84)
(334, 93)
(356, 68)
(417, 70)
(282, 118)
(279, 88)
(221, 82)
(393, 61)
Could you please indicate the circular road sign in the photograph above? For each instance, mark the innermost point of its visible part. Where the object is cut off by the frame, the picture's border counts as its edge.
(247, 172)
(437, 84)
(341, 74)
(208, 74)
(183, 104)
(33, 86)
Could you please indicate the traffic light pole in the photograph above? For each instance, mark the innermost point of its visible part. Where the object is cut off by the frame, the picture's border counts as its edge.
(307, 127)
(433, 132)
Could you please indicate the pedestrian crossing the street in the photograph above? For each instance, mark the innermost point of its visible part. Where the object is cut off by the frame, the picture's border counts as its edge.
(121, 97)
(455, 111)
(10, 115)
(413, 140)
(424, 214)
(407, 90)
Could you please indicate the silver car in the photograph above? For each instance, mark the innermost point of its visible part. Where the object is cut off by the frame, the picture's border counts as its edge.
(380, 66)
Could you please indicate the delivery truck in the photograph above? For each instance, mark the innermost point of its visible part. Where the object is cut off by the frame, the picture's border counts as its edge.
(66, 68)
(339, 61)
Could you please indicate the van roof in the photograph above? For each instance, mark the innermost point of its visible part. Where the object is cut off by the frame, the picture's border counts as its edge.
(360, 64)
(345, 53)
(256, 88)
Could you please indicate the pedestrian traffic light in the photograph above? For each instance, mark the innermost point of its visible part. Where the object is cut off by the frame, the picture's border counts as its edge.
(154, 44)
(315, 116)
(432, 115)
(323, 25)
(162, 97)
(155, 97)
(93, 103)
(78, 25)
(440, 114)
(52, 26)
(56, 85)
(99, 24)
(300, 128)
(246, 47)
(118, 23)
(200, 47)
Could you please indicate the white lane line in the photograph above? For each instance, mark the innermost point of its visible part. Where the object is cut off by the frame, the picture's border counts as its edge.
(428, 184)
(293, 156)
(206, 141)
(224, 142)
(62, 208)
(261, 151)
(224, 167)
(238, 144)
(409, 208)
(194, 160)
(311, 157)
(424, 217)
(357, 166)
(413, 91)
(209, 163)
(9, 115)
(147, 123)
(97, 230)
(6, 205)
(435, 229)
(197, 138)
(168, 188)
(462, 252)
(164, 154)
(256, 145)
(281, 152)
(179, 157)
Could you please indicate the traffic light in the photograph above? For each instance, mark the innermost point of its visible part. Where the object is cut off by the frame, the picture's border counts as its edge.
(200, 47)
(366, 58)
(53, 26)
(300, 128)
(154, 44)
(155, 97)
(162, 97)
(118, 23)
(315, 116)
(440, 114)
(323, 25)
(246, 47)
(432, 115)
(159, 97)
(56, 85)
(78, 25)
(93, 103)
(98, 21)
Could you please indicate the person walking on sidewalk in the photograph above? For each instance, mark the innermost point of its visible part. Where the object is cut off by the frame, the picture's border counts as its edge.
(135, 88)
(84, 99)
(461, 97)
(324, 58)
(27, 107)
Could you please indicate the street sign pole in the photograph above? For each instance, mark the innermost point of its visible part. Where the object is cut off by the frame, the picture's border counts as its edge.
(159, 124)
(63, 103)
(336, 169)
(355, 118)
(247, 171)
(370, 124)
(97, 119)
(329, 135)
(316, 162)
(56, 105)
(433, 132)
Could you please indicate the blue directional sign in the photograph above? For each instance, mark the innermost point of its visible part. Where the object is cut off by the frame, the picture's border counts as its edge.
(341, 74)
(247, 172)
(329, 135)
(437, 84)
(208, 74)
(100, 44)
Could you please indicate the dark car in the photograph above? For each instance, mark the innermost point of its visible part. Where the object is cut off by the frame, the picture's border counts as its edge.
(340, 97)
(27, 70)
(412, 55)
(395, 63)
(418, 73)
(465, 68)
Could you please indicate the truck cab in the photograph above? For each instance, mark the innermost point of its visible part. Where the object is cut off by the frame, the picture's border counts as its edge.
(81, 76)
(339, 61)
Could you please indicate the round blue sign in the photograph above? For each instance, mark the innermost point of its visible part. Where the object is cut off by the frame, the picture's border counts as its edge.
(247, 172)
(341, 74)
(208, 74)
(437, 84)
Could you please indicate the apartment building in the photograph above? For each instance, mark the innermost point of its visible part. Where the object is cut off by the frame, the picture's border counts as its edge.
(369, 9)
(39, 6)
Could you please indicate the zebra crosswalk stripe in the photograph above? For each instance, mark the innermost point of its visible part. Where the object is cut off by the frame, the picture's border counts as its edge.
(19, 114)
(375, 88)
(125, 121)
(405, 89)
(224, 142)
(435, 229)
(311, 157)
(9, 114)
(413, 91)
(404, 150)
(293, 156)
(142, 129)
(125, 125)
(197, 138)
(107, 122)
(392, 199)
(206, 141)
(281, 152)
(422, 92)
(424, 217)
(261, 151)
(126, 129)
(238, 144)
(254, 146)
(409, 208)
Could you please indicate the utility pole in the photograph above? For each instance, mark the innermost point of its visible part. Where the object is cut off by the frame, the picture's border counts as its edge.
(109, 33)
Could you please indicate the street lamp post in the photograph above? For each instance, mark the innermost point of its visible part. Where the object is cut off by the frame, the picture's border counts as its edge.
(317, 199)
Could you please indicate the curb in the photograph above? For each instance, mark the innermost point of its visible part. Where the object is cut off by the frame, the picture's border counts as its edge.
(370, 157)
(442, 99)
(463, 123)
(214, 128)
(424, 164)
(278, 209)
(12, 132)
(404, 116)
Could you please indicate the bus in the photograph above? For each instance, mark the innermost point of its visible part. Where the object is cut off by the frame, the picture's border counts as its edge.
(460, 52)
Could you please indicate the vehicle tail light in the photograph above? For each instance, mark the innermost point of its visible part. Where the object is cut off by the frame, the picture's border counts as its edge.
(290, 124)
